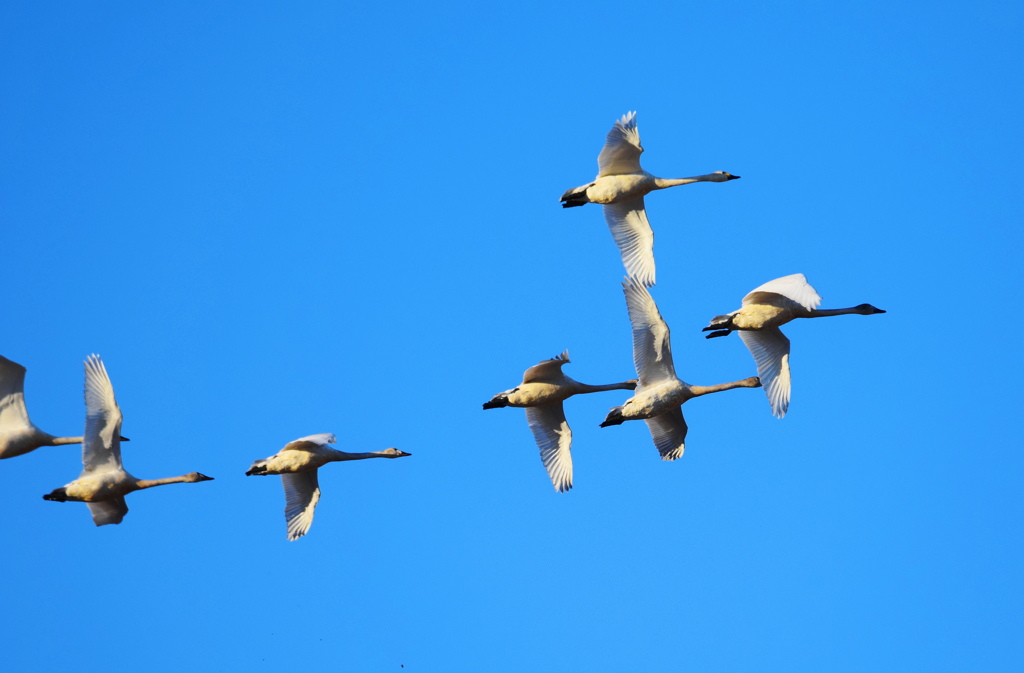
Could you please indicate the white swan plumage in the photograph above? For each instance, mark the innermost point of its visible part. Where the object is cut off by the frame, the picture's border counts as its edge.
(104, 482)
(298, 463)
(763, 310)
(660, 393)
(541, 393)
(18, 434)
(620, 187)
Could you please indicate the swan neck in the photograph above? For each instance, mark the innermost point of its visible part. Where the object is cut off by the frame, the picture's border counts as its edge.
(57, 441)
(587, 388)
(697, 391)
(822, 312)
(150, 483)
(343, 455)
(662, 183)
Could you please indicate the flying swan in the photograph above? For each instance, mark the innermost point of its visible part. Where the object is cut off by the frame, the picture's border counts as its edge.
(18, 435)
(542, 392)
(104, 481)
(620, 186)
(764, 309)
(297, 463)
(660, 394)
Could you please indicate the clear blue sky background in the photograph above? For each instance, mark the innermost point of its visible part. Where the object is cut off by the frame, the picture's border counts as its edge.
(279, 220)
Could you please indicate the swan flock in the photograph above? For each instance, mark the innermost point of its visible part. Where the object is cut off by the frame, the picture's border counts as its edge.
(658, 392)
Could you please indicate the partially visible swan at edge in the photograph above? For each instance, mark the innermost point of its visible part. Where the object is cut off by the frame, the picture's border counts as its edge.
(297, 463)
(542, 391)
(18, 435)
(620, 186)
(104, 481)
(764, 309)
(660, 394)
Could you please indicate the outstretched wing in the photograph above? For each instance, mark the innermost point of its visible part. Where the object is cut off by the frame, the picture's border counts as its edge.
(13, 415)
(553, 436)
(794, 288)
(770, 349)
(633, 236)
(101, 447)
(622, 150)
(310, 442)
(301, 494)
(108, 511)
(546, 370)
(669, 433)
(652, 351)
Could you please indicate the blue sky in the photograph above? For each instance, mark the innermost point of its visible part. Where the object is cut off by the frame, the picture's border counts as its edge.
(284, 220)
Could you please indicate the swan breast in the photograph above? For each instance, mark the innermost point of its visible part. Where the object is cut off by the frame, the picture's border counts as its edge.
(761, 316)
(537, 393)
(655, 400)
(615, 188)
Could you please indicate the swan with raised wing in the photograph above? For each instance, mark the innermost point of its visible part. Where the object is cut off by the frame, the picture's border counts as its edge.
(297, 463)
(541, 393)
(104, 482)
(763, 310)
(660, 393)
(620, 187)
(18, 434)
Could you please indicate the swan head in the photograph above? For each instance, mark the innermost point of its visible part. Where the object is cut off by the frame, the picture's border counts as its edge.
(193, 477)
(394, 453)
(867, 309)
(722, 176)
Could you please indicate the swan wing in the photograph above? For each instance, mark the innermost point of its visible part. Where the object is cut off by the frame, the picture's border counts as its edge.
(794, 287)
(622, 150)
(108, 511)
(546, 370)
(652, 350)
(301, 494)
(101, 447)
(311, 442)
(633, 236)
(669, 433)
(13, 415)
(553, 436)
(770, 349)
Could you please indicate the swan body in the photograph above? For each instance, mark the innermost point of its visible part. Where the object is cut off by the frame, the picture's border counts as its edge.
(18, 435)
(620, 186)
(660, 393)
(104, 482)
(763, 310)
(297, 463)
(542, 392)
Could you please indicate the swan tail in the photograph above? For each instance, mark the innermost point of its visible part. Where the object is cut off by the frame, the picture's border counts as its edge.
(614, 417)
(259, 467)
(576, 196)
(57, 495)
(721, 323)
(499, 400)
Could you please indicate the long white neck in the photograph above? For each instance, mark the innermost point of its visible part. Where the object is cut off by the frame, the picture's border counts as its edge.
(662, 183)
(587, 388)
(822, 312)
(752, 382)
(57, 441)
(343, 455)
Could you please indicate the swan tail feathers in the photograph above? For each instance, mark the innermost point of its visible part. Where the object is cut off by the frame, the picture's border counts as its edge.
(259, 467)
(576, 196)
(614, 417)
(57, 495)
(722, 323)
(499, 400)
